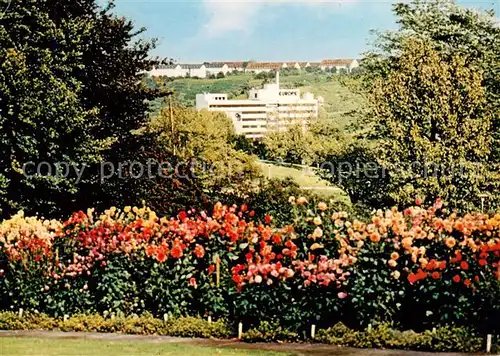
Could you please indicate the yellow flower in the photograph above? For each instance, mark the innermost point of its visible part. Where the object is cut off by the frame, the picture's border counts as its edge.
(392, 263)
(127, 209)
(396, 274)
(423, 262)
(317, 220)
(302, 201)
(315, 246)
(317, 232)
(322, 206)
(291, 200)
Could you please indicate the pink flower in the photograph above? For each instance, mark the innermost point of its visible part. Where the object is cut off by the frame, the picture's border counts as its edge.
(342, 295)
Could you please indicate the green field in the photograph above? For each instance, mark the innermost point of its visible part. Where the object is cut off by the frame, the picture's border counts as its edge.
(59, 347)
(305, 179)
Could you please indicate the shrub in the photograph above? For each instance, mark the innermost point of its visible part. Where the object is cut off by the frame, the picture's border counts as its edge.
(443, 339)
(140, 325)
(269, 332)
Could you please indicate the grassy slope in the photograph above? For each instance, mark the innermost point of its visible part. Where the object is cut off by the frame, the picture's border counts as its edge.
(45, 347)
(305, 179)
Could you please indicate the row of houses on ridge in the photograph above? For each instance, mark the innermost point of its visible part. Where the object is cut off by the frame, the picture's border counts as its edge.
(207, 69)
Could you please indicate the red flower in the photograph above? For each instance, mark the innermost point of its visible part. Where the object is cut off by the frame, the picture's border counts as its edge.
(412, 278)
(211, 269)
(436, 275)
(464, 265)
(482, 262)
(244, 208)
(467, 282)
(442, 265)
(268, 219)
(249, 256)
(150, 251)
(192, 282)
(161, 256)
(176, 251)
(456, 278)
(182, 215)
(199, 251)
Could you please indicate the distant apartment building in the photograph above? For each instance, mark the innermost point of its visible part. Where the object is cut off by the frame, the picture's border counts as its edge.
(179, 70)
(259, 67)
(267, 109)
(236, 66)
(291, 65)
(215, 68)
(339, 64)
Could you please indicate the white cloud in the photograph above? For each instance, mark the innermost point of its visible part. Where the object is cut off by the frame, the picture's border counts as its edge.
(241, 15)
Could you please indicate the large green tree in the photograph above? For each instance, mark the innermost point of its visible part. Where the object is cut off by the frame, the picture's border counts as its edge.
(434, 92)
(70, 92)
(450, 28)
(435, 126)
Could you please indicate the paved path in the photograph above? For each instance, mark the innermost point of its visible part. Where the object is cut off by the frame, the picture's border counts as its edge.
(292, 349)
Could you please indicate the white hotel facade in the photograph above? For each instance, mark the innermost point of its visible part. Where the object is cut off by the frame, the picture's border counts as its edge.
(267, 109)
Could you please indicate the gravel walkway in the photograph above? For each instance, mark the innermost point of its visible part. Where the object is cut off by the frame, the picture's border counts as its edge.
(294, 349)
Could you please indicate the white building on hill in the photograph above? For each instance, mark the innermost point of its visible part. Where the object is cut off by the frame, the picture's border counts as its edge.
(270, 108)
(179, 70)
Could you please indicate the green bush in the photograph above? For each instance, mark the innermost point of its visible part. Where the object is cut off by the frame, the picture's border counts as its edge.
(269, 332)
(137, 325)
(444, 339)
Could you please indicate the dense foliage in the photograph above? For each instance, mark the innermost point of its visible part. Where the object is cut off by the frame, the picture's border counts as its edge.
(433, 113)
(417, 268)
(89, 60)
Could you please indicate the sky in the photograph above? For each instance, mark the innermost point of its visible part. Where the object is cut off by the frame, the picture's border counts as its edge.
(193, 31)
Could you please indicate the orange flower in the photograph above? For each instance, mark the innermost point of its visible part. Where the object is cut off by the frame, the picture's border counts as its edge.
(392, 263)
(450, 242)
(467, 282)
(374, 237)
(394, 256)
(199, 251)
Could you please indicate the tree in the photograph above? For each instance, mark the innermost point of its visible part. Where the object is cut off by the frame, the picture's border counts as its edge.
(204, 141)
(87, 58)
(450, 28)
(434, 128)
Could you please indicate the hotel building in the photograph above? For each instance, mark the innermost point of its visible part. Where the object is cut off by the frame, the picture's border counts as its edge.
(267, 109)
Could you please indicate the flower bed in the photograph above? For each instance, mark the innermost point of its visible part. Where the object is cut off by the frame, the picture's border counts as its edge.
(416, 268)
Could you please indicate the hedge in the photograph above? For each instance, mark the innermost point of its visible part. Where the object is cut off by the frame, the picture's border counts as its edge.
(380, 336)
